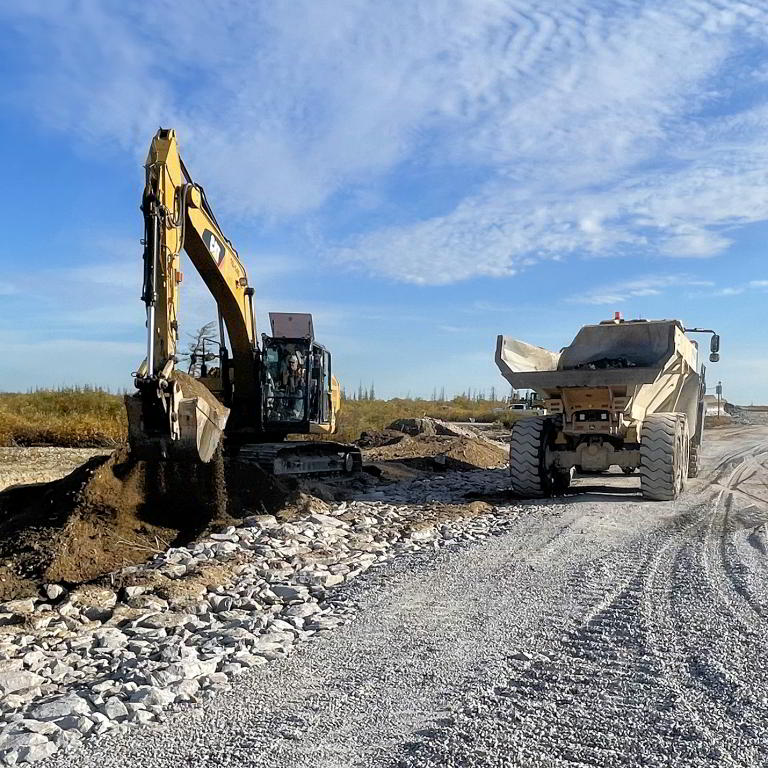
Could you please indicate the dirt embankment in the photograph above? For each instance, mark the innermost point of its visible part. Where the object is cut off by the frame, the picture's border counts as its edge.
(112, 512)
(430, 452)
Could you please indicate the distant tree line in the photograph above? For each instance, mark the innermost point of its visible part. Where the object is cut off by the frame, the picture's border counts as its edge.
(470, 395)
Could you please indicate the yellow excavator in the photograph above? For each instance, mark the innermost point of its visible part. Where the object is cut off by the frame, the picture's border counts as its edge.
(259, 394)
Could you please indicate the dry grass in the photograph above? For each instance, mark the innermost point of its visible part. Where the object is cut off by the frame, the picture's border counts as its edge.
(359, 416)
(82, 417)
(72, 417)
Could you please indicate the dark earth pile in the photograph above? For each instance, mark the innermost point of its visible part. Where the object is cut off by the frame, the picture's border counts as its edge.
(113, 511)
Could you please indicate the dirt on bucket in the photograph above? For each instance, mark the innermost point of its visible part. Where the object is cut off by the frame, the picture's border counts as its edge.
(113, 511)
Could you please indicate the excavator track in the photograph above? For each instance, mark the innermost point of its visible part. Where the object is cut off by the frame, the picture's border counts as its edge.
(308, 457)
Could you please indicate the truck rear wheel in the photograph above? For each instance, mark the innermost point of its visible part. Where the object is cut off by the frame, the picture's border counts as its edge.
(531, 477)
(664, 455)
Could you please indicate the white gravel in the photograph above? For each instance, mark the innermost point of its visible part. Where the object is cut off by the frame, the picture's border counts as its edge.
(596, 631)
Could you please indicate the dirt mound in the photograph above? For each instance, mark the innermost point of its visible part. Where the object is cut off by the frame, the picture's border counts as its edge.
(438, 452)
(378, 438)
(113, 511)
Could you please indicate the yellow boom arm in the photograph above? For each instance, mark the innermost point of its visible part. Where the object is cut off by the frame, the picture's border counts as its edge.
(164, 418)
(177, 216)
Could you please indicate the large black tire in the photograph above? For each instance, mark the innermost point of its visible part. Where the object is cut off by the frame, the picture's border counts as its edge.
(531, 478)
(664, 448)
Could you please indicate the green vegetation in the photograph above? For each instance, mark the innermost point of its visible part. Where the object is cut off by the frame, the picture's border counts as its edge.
(83, 417)
(72, 417)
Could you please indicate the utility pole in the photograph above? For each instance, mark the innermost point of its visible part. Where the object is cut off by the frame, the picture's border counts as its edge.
(719, 391)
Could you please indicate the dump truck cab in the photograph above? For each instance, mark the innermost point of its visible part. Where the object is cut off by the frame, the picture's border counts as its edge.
(603, 394)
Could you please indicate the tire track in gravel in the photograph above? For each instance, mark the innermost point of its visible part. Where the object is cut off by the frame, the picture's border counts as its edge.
(708, 659)
(631, 683)
(563, 708)
(724, 529)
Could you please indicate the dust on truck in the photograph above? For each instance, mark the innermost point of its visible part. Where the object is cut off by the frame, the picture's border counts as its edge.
(622, 393)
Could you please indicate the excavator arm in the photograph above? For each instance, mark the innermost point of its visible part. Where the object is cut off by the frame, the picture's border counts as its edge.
(173, 415)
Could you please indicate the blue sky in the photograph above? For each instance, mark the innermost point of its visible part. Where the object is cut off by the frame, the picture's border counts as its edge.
(419, 175)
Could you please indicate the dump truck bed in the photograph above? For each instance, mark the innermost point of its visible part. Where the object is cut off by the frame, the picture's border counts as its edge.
(605, 355)
(547, 382)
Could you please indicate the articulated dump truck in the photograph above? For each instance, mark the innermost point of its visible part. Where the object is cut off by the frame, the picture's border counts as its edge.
(623, 393)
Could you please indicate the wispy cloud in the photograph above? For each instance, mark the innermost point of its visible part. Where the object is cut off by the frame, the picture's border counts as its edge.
(735, 290)
(651, 285)
(600, 128)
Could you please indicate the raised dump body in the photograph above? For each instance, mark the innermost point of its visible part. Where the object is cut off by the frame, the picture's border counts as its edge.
(611, 396)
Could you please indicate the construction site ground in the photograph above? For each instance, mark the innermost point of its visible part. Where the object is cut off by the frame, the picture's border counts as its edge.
(596, 629)
(71, 515)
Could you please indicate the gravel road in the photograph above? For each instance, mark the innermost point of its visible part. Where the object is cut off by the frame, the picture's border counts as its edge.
(40, 465)
(600, 630)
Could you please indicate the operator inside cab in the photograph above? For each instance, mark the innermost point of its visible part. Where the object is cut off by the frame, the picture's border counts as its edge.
(292, 381)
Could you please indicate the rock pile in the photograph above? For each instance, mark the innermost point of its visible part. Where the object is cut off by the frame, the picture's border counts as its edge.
(176, 629)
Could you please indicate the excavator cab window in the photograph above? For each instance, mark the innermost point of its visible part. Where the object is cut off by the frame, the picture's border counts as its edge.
(296, 383)
(285, 381)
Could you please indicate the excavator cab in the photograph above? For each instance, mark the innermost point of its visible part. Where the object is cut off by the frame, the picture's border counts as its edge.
(297, 382)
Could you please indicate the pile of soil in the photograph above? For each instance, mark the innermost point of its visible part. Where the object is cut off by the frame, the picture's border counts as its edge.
(439, 452)
(376, 439)
(114, 511)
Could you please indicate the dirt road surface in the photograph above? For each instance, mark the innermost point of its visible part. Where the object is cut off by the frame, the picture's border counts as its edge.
(39, 465)
(601, 631)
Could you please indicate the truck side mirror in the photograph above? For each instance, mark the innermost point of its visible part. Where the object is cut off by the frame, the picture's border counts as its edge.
(714, 345)
(714, 357)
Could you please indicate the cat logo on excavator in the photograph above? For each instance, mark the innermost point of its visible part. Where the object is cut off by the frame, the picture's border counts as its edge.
(214, 246)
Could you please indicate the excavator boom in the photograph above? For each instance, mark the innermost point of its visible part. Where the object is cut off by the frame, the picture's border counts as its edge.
(171, 417)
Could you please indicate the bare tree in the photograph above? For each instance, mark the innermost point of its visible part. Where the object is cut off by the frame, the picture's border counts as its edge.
(197, 351)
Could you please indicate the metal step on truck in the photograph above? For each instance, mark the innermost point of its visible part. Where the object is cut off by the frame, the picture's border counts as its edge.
(622, 393)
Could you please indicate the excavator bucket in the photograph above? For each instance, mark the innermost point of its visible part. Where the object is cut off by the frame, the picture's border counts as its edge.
(181, 421)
